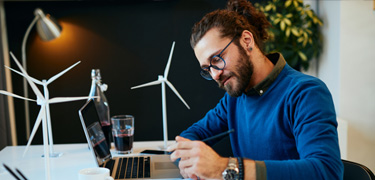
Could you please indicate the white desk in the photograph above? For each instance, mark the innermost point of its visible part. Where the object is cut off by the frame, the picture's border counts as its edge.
(66, 167)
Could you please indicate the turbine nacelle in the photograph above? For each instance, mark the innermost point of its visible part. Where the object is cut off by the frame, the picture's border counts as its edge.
(161, 78)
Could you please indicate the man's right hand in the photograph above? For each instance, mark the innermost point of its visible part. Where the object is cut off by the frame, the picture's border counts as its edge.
(197, 159)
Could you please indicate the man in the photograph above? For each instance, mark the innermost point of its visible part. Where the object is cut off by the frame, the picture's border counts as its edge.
(284, 121)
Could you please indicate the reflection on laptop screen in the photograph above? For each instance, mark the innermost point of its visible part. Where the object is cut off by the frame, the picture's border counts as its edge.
(89, 113)
(90, 116)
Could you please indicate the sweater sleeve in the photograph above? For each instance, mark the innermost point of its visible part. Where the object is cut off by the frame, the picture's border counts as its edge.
(214, 122)
(311, 113)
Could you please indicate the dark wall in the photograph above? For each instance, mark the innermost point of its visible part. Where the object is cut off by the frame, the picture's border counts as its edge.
(129, 41)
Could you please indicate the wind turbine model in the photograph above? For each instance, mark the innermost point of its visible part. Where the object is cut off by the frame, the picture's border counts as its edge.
(163, 80)
(45, 83)
(44, 115)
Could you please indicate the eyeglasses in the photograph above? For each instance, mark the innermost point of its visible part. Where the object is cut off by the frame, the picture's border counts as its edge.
(217, 62)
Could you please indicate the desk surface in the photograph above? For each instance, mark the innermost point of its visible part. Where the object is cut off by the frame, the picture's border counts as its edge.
(75, 157)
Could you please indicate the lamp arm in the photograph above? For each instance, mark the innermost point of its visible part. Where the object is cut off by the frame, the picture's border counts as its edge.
(25, 90)
(24, 41)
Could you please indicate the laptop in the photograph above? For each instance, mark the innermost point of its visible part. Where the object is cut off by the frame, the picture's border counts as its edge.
(128, 167)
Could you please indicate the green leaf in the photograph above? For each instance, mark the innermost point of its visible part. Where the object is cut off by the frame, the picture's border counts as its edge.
(300, 39)
(308, 31)
(287, 32)
(316, 20)
(288, 3)
(304, 42)
(295, 3)
(268, 7)
(302, 56)
(276, 21)
(295, 32)
(287, 21)
(282, 25)
(310, 13)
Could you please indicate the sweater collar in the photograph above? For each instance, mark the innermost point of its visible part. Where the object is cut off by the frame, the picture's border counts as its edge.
(278, 60)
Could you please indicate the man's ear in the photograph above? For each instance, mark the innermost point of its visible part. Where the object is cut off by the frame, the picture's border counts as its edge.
(247, 40)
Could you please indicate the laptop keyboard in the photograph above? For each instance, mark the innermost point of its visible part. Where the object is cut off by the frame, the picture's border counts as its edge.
(130, 167)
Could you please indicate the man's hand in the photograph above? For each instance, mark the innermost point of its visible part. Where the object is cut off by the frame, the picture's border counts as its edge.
(197, 159)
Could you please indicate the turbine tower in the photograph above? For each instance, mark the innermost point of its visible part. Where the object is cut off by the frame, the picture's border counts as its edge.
(163, 80)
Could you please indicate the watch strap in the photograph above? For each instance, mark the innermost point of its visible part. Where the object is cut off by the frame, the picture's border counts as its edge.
(240, 168)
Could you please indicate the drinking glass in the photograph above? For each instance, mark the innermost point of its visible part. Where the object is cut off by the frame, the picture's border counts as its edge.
(123, 133)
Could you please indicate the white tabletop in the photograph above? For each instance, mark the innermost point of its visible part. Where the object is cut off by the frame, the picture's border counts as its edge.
(75, 157)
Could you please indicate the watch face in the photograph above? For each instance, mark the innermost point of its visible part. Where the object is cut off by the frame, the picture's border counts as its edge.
(230, 174)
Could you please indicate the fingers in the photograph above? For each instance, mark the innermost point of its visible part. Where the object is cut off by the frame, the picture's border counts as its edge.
(185, 163)
(182, 143)
(180, 154)
(185, 149)
(174, 146)
(179, 138)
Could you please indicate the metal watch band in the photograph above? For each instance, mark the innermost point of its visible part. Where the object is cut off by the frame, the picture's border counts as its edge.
(232, 171)
(232, 162)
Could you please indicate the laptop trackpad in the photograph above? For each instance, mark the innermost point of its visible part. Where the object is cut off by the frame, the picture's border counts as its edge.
(164, 166)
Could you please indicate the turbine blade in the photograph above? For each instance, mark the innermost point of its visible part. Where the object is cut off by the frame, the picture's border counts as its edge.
(176, 92)
(15, 95)
(67, 99)
(31, 83)
(166, 71)
(62, 72)
(35, 128)
(147, 84)
(33, 79)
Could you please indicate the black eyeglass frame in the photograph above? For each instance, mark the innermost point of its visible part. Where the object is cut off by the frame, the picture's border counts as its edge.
(205, 72)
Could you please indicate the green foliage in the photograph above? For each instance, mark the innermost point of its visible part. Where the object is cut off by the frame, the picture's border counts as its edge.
(295, 31)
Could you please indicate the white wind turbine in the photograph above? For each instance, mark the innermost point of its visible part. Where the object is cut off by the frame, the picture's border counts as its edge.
(44, 115)
(163, 80)
(45, 83)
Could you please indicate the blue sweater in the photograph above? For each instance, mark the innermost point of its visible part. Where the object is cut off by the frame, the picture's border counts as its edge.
(292, 127)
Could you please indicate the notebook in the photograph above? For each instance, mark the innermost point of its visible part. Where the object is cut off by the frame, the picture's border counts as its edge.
(129, 167)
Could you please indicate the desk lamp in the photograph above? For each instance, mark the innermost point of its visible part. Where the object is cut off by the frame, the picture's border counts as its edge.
(48, 29)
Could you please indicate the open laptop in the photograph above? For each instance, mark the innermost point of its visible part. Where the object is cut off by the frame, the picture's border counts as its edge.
(129, 167)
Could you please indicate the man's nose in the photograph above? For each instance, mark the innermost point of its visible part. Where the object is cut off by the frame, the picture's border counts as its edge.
(216, 73)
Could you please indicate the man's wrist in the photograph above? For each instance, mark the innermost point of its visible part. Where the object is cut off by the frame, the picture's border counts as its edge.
(249, 169)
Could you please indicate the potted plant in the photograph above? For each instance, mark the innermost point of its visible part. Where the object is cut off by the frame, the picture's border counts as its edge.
(294, 32)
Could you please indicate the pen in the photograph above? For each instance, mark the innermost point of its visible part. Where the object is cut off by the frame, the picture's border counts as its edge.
(214, 137)
(11, 172)
(19, 172)
(205, 140)
(218, 135)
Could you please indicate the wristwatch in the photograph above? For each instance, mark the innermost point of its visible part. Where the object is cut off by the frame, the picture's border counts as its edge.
(232, 171)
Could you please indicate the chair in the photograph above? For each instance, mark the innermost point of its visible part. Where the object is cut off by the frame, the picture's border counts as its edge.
(356, 171)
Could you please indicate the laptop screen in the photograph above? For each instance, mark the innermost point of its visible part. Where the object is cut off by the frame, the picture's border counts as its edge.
(89, 119)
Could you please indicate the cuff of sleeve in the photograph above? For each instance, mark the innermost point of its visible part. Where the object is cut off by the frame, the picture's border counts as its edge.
(261, 170)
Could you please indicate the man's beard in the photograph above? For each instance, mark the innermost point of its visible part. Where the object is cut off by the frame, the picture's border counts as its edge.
(244, 71)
